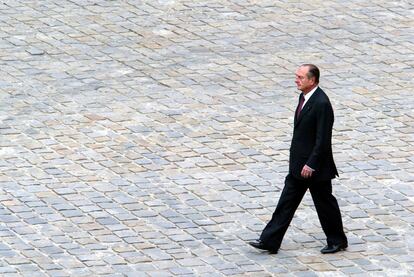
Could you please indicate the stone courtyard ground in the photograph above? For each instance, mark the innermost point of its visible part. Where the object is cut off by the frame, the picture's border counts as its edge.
(151, 138)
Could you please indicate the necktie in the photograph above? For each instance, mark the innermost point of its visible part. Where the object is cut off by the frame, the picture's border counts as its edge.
(300, 106)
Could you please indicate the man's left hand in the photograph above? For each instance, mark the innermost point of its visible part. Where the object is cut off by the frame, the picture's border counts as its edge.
(306, 172)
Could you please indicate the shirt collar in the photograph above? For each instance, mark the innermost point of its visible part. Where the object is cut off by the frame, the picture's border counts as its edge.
(310, 93)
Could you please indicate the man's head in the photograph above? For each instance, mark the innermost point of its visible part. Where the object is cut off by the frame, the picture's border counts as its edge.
(307, 77)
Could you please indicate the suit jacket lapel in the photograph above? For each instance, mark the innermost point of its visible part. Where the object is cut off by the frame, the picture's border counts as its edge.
(306, 108)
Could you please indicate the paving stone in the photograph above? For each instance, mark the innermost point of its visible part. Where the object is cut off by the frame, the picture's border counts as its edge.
(153, 139)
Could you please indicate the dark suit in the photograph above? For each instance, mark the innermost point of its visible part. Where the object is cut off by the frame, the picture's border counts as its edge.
(311, 146)
(311, 141)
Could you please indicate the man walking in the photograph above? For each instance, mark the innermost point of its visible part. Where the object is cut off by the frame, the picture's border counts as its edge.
(311, 166)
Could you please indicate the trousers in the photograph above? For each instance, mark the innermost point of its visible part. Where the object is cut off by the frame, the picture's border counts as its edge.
(325, 203)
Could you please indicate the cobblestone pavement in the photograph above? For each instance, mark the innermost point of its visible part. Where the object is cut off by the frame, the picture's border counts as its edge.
(150, 138)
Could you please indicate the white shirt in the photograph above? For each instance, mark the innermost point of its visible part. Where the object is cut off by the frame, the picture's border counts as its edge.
(308, 95)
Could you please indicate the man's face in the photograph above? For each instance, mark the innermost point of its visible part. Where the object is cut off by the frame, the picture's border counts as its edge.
(302, 81)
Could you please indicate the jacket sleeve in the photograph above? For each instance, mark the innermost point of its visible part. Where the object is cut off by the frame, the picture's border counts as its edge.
(324, 123)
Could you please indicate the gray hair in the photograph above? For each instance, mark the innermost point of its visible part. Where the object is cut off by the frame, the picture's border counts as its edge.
(313, 72)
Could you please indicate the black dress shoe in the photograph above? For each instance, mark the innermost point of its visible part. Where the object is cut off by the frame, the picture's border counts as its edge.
(329, 249)
(260, 245)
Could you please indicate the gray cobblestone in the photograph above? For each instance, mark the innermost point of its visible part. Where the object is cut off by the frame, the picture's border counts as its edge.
(152, 138)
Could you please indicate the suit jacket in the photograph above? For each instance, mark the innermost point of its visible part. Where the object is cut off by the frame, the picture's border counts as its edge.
(312, 139)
